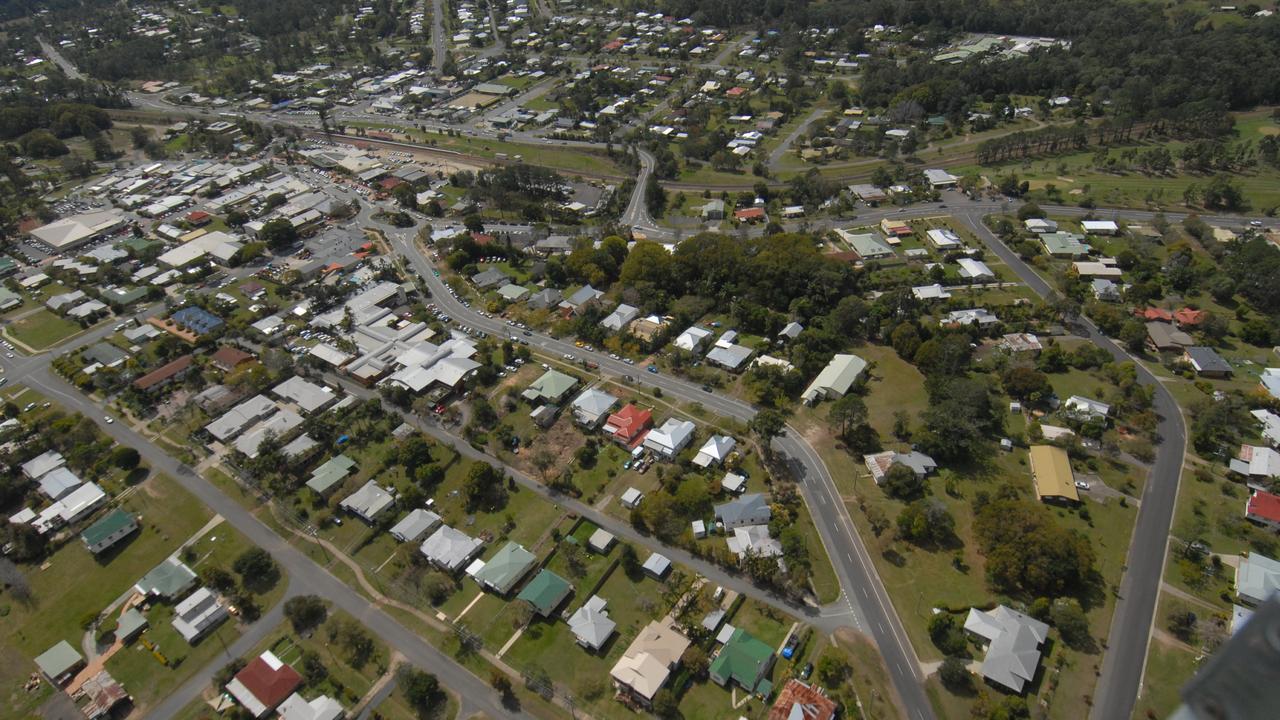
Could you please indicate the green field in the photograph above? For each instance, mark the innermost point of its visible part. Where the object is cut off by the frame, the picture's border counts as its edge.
(41, 330)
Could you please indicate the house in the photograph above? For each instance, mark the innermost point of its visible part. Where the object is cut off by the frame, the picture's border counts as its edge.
(693, 339)
(620, 317)
(971, 269)
(943, 239)
(1013, 645)
(835, 379)
(199, 613)
(895, 228)
(1105, 290)
(585, 296)
(449, 549)
(1051, 474)
(263, 684)
(648, 661)
(730, 357)
(867, 246)
(308, 396)
(1094, 269)
(545, 592)
(1206, 362)
(699, 529)
(327, 477)
(981, 317)
(1263, 508)
(552, 387)
(590, 624)
(1189, 317)
(506, 568)
(940, 178)
(1270, 381)
(657, 565)
(1257, 578)
(670, 438)
(733, 483)
(800, 701)
(1164, 337)
(59, 482)
(1100, 227)
(753, 540)
(1085, 408)
(42, 464)
(930, 292)
(629, 425)
(790, 331)
(229, 358)
(197, 320)
(631, 498)
(749, 215)
(601, 541)
(592, 407)
(746, 510)
(1064, 245)
(512, 292)
(168, 580)
(714, 451)
(164, 374)
(76, 505)
(1020, 343)
(868, 193)
(60, 662)
(368, 502)
(1256, 462)
(878, 464)
(99, 695)
(490, 278)
(743, 660)
(1270, 425)
(417, 523)
(1040, 226)
(322, 707)
(543, 299)
(109, 530)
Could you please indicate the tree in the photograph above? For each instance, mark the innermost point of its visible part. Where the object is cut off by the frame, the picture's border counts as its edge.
(1134, 335)
(1028, 552)
(926, 522)
(955, 676)
(1026, 383)
(832, 670)
(543, 461)
(125, 457)
(947, 633)
(256, 569)
(217, 578)
(665, 706)
(1069, 618)
(485, 488)
(767, 425)
(421, 688)
(305, 612)
(847, 414)
(278, 233)
(312, 667)
(405, 196)
(500, 682)
(902, 483)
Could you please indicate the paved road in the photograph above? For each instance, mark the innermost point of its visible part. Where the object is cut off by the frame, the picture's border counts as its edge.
(68, 68)
(306, 577)
(438, 50)
(1123, 663)
(864, 595)
(775, 157)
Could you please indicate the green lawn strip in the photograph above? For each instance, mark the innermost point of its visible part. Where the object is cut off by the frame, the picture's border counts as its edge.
(1168, 669)
(42, 330)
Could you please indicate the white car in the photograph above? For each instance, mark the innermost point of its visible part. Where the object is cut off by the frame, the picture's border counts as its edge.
(109, 419)
(1082, 485)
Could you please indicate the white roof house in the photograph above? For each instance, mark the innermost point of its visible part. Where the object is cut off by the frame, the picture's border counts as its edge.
(981, 316)
(620, 317)
(670, 438)
(1040, 225)
(835, 379)
(592, 407)
(197, 614)
(1255, 461)
(417, 523)
(657, 565)
(1257, 578)
(591, 625)
(1100, 227)
(631, 498)
(42, 464)
(753, 540)
(714, 451)
(693, 339)
(59, 482)
(743, 511)
(1013, 653)
(1085, 407)
(368, 502)
(1270, 425)
(308, 396)
(322, 707)
(450, 549)
(930, 292)
(943, 239)
(730, 357)
(974, 269)
(939, 178)
(733, 482)
(74, 505)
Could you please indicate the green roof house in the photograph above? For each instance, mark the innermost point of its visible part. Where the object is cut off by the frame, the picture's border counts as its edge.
(505, 568)
(171, 579)
(326, 477)
(131, 623)
(552, 387)
(111, 529)
(744, 660)
(545, 592)
(59, 662)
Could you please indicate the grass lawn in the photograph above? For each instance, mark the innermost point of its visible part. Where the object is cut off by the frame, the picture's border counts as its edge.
(73, 585)
(42, 330)
(1168, 668)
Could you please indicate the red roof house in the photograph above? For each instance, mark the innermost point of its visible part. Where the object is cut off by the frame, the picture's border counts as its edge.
(228, 358)
(750, 214)
(629, 425)
(199, 217)
(161, 376)
(1154, 314)
(799, 700)
(263, 684)
(1189, 317)
(1264, 508)
(735, 92)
